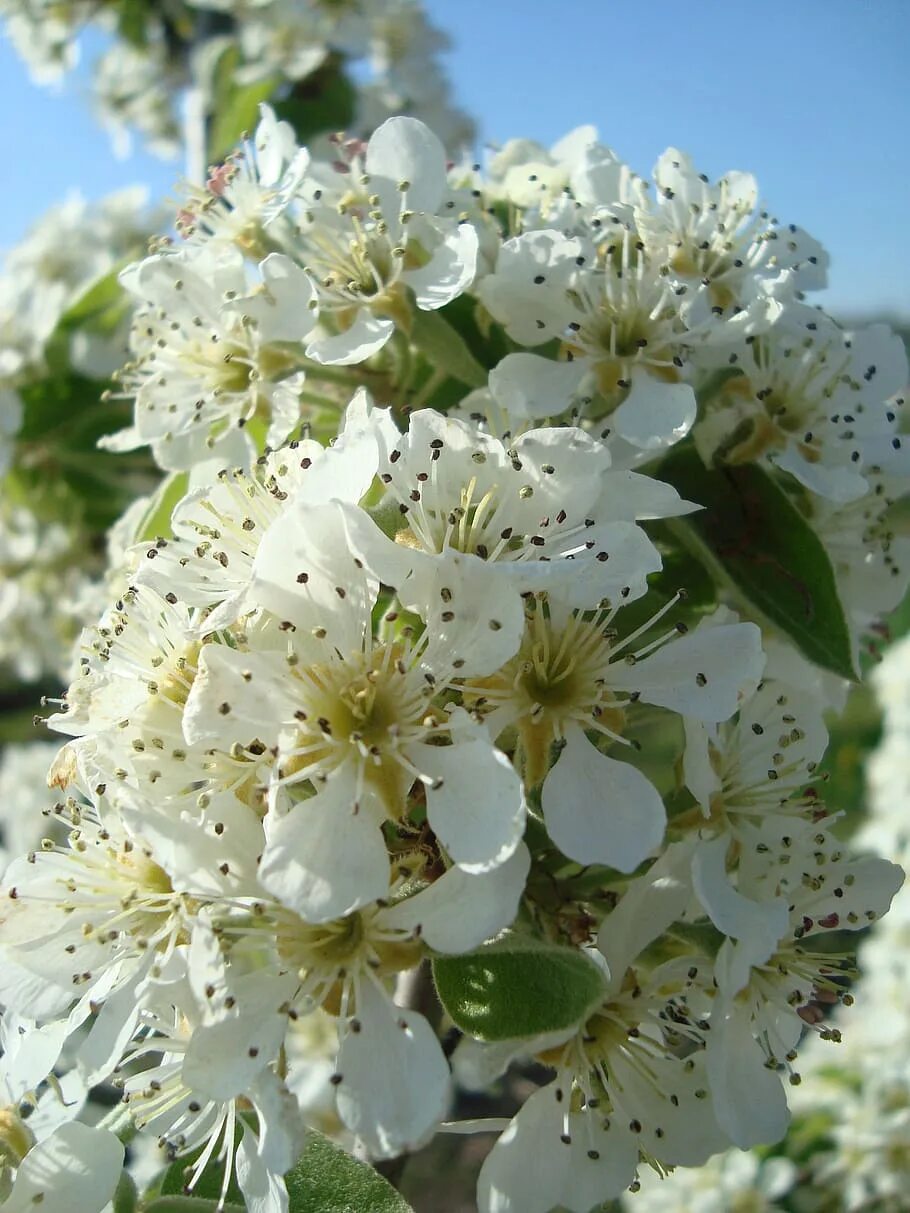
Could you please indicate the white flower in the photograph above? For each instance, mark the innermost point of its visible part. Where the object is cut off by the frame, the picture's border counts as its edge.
(137, 663)
(762, 763)
(575, 674)
(244, 199)
(816, 402)
(279, 36)
(217, 529)
(44, 36)
(374, 239)
(620, 322)
(76, 1167)
(543, 513)
(716, 238)
(86, 918)
(134, 87)
(621, 1093)
(390, 1077)
(23, 797)
(763, 1006)
(871, 558)
(188, 1101)
(211, 354)
(355, 720)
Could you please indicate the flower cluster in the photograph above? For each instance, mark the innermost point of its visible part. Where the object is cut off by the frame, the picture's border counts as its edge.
(47, 1157)
(850, 1147)
(863, 1105)
(642, 313)
(422, 668)
(64, 327)
(65, 253)
(156, 53)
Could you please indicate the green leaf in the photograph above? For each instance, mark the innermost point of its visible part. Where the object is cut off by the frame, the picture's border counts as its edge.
(446, 349)
(157, 520)
(239, 115)
(98, 299)
(132, 21)
(100, 308)
(328, 1180)
(190, 1204)
(68, 403)
(170, 1185)
(484, 336)
(752, 533)
(235, 106)
(126, 1195)
(64, 415)
(518, 987)
(322, 103)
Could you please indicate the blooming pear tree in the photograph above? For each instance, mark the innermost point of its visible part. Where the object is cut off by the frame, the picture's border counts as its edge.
(67, 511)
(214, 61)
(459, 706)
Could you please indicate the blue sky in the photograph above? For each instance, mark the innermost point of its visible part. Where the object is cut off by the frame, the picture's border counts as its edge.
(812, 96)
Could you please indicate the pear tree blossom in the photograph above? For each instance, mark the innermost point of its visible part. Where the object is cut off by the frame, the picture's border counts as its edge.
(453, 707)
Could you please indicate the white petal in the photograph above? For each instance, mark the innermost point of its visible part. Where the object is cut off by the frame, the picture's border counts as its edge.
(235, 696)
(127, 439)
(654, 415)
(528, 1168)
(476, 807)
(110, 1033)
(477, 1064)
(474, 612)
(345, 471)
(700, 776)
(405, 150)
(612, 1168)
(449, 271)
(303, 559)
(327, 856)
(838, 484)
(284, 402)
(366, 336)
(367, 435)
(394, 1086)
(526, 385)
(30, 1055)
(598, 810)
(756, 925)
(617, 566)
(263, 1190)
(282, 306)
(572, 145)
(77, 1168)
(732, 967)
(651, 903)
(629, 496)
(685, 1132)
(866, 887)
(275, 144)
(515, 294)
(748, 1097)
(196, 848)
(223, 1058)
(35, 992)
(460, 911)
(281, 1126)
(704, 674)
